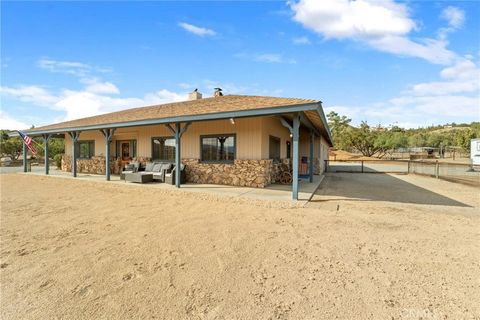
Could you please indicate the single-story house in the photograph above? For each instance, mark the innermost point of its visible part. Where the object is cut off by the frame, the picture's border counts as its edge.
(225, 139)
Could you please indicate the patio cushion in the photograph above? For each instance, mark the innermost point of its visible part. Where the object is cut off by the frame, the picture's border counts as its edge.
(157, 167)
(149, 167)
(129, 167)
(166, 166)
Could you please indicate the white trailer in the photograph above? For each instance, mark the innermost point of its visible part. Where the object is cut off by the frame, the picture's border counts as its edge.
(475, 151)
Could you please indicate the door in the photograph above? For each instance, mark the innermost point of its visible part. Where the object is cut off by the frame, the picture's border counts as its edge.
(125, 148)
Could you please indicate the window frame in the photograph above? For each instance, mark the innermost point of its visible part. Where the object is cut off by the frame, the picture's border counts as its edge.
(164, 138)
(279, 141)
(233, 135)
(91, 153)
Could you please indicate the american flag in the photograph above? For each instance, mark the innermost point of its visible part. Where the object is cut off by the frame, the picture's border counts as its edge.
(28, 142)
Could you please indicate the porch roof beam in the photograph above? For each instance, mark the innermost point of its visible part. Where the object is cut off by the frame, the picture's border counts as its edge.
(306, 122)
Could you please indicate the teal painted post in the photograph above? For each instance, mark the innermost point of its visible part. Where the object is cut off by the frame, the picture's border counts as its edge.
(74, 135)
(108, 135)
(46, 137)
(295, 136)
(312, 139)
(177, 155)
(74, 156)
(107, 155)
(24, 157)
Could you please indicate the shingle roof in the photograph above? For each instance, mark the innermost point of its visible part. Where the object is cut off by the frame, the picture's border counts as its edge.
(226, 103)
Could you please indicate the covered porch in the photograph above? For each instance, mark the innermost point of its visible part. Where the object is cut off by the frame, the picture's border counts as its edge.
(277, 192)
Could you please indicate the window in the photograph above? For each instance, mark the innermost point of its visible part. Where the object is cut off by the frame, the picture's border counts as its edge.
(163, 148)
(218, 148)
(289, 150)
(85, 149)
(274, 148)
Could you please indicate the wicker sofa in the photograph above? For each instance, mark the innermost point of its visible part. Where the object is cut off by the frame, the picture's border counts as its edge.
(156, 169)
(170, 176)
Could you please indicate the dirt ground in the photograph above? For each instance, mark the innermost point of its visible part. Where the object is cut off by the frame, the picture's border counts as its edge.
(368, 246)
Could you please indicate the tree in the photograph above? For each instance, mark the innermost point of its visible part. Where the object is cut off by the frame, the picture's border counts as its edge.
(462, 138)
(367, 141)
(10, 146)
(339, 126)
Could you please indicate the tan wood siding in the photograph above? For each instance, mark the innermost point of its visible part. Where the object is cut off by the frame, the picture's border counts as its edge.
(252, 138)
(248, 137)
(273, 127)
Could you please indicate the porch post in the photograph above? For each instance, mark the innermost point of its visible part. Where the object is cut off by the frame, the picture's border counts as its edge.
(295, 136)
(108, 135)
(46, 138)
(24, 157)
(177, 155)
(178, 132)
(312, 139)
(74, 135)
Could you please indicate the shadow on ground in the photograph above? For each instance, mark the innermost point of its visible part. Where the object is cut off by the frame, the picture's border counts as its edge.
(378, 187)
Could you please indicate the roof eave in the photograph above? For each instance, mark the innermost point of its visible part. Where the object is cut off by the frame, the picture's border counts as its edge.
(188, 118)
(325, 123)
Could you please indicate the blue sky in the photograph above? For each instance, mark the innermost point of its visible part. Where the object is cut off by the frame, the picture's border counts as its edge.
(412, 63)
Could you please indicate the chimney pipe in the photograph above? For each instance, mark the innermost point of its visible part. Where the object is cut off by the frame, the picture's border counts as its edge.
(218, 92)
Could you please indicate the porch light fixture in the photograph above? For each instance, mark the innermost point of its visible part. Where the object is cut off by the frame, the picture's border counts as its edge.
(156, 141)
(232, 121)
(291, 135)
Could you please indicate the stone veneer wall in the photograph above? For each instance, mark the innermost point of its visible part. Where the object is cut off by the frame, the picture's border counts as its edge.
(316, 166)
(246, 173)
(95, 165)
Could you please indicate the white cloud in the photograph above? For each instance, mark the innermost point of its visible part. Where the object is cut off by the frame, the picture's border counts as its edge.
(9, 123)
(76, 104)
(96, 97)
(199, 31)
(347, 19)
(269, 57)
(432, 50)
(78, 69)
(94, 86)
(266, 57)
(383, 25)
(456, 98)
(33, 94)
(301, 40)
(68, 67)
(462, 77)
(454, 16)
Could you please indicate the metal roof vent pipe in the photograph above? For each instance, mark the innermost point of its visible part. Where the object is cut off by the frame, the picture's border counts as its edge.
(194, 95)
(218, 92)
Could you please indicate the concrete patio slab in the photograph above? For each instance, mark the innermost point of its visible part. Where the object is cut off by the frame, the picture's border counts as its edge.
(273, 192)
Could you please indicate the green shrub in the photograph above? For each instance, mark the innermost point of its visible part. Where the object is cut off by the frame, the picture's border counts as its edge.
(58, 160)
